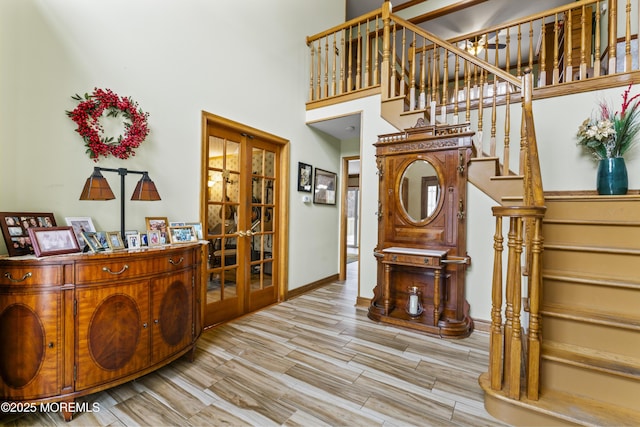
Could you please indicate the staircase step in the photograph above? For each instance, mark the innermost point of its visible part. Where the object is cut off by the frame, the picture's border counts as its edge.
(613, 333)
(592, 208)
(592, 359)
(620, 234)
(484, 173)
(556, 408)
(392, 110)
(588, 383)
(591, 292)
(616, 263)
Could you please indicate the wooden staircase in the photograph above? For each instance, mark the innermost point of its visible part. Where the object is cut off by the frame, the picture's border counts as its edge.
(590, 360)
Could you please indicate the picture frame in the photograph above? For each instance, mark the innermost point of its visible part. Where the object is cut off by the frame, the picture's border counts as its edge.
(102, 238)
(15, 226)
(160, 223)
(80, 224)
(305, 175)
(53, 240)
(133, 241)
(114, 240)
(183, 234)
(92, 240)
(325, 187)
(153, 238)
(198, 227)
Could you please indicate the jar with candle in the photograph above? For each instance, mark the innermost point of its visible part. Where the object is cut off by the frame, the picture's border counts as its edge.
(414, 302)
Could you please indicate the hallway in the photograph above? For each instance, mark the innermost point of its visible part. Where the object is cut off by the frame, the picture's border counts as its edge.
(315, 360)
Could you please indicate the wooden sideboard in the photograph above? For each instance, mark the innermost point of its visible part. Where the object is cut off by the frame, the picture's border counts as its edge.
(422, 230)
(77, 324)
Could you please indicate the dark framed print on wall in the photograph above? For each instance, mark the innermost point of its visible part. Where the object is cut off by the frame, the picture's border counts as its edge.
(324, 187)
(305, 174)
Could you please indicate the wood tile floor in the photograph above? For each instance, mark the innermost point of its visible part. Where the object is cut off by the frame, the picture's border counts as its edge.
(315, 360)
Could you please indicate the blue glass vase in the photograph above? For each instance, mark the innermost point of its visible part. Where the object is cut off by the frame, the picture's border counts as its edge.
(612, 176)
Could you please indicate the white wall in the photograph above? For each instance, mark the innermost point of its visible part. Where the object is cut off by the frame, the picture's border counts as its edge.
(241, 59)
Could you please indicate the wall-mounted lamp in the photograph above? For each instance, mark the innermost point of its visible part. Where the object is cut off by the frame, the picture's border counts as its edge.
(97, 188)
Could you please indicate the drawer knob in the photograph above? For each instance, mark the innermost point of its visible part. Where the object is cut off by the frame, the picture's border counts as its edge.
(25, 277)
(108, 270)
(51, 345)
(171, 261)
(426, 260)
(144, 325)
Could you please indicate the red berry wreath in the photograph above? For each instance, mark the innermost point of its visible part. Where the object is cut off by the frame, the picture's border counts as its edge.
(87, 116)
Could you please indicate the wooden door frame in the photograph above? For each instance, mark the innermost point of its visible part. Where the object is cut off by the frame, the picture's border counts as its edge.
(282, 234)
(342, 275)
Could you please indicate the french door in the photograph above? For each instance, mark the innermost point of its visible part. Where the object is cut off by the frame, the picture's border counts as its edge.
(241, 210)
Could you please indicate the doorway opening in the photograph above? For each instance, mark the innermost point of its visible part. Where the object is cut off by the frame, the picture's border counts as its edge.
(350, 236)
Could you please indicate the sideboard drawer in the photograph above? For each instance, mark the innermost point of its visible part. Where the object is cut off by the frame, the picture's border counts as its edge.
(417, 260)
(31, 275)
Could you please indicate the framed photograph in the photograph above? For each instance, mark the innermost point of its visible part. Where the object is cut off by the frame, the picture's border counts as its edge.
(305, 173)
(133, 241)
(80, 224)
(92, 240)
(198, 227)
(176, 223)
(102, 238)
(183, 234)
(324, 187)
(114, 240)
(53, 240)
(15, 226)
(153, 238)
(161, 224)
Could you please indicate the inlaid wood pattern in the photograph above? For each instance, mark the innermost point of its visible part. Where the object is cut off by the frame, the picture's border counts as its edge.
(315, 360)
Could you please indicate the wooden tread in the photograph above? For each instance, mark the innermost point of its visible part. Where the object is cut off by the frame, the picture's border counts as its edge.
(586, 315)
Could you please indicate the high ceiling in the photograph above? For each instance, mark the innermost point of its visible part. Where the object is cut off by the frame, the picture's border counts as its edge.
(483, 15)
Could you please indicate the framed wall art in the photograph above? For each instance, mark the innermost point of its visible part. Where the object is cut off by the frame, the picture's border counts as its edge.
(305, 174)
(53, 240)
(15, 226)
(324, 187)
(161, 224)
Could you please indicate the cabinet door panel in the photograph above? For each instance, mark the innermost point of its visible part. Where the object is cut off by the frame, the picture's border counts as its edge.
(172, 314)
(30, 333)
(113, 332)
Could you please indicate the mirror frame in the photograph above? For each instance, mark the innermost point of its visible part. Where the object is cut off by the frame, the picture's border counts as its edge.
(398, 185)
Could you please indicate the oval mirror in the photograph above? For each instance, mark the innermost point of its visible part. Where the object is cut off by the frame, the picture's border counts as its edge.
(419, 190)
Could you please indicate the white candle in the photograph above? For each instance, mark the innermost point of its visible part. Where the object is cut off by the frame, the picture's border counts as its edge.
(413, 304)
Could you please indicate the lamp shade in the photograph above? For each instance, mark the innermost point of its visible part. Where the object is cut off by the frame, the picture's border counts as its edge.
(96, 188)
(145, 189)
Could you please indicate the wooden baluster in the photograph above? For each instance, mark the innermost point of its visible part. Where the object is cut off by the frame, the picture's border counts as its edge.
(535, 284)
(366, 48)
(596, 55)
(542, 81)
(480, 111)
(508, 325)
(519, 51)
(583, 44)
(311, 68)
(427, 89)
(516, 332)
(497, 339)
(531, 45)
(334, 54)
(456, 88)
(494, 107)
(325, 78)
(396, 77)
(507, 131)
(445, 84)
(376, 53)
(423, 74)
(556, 33)
(350, 62)
(434, 86)
(412, 73)
(319, 71)
(613, 35)
(627, 39)
(403, 91)
(342, 60)
(467, 94)
(568, 40)
(507, 59)
(359, 59)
